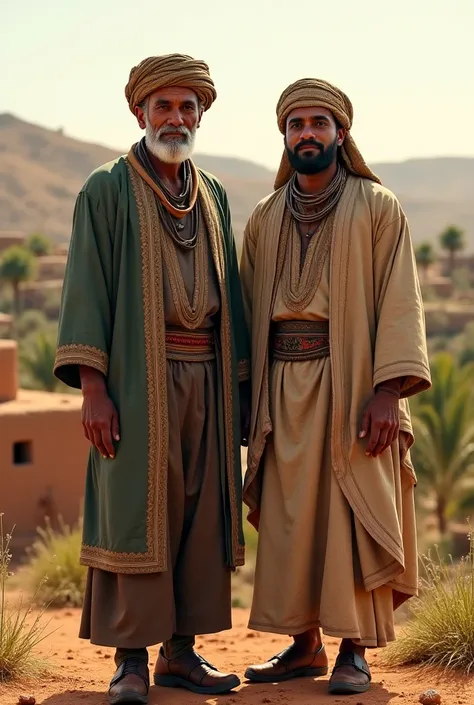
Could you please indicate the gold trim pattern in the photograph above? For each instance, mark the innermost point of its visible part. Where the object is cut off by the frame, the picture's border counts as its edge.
(300, 283)
(87, 355)
(212, 220)
(190, 316)
(243, 370)
(155, 558)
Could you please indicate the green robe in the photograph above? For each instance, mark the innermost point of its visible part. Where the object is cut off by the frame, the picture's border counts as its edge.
(112, 319)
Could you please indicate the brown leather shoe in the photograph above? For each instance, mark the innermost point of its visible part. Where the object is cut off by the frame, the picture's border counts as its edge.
(130, 683)
(193, 672)
(350, 675)
(290, 663)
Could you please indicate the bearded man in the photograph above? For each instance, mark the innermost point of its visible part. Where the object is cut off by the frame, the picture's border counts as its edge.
(152, 330)
(338, 344)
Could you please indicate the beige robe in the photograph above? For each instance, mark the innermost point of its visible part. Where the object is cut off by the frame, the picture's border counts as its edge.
(374, 299)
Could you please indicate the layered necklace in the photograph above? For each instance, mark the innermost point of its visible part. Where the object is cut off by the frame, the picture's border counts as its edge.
(310, 207)
(174, 225)
(173, 209)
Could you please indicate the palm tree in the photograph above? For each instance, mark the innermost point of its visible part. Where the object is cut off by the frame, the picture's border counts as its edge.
(39, 244)
(17, 265)
(443, 420)
(38, 358)
(425, 257)
(453, 239)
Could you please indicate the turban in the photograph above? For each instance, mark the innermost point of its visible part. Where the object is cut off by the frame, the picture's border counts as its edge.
(312, 92)
(169, 70)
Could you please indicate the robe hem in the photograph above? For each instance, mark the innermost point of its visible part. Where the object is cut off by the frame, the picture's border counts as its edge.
(119, 562)
(125, 644)
(328, 631)
(404, 368)
(74, 355)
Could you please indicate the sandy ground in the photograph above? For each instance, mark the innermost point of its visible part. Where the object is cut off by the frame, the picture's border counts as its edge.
(80, 673)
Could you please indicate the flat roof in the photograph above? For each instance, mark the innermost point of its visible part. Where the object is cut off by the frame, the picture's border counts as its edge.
(31, 401)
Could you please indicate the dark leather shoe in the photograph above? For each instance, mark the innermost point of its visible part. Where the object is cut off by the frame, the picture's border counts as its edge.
(350, 675)
(288, 664)
(193, 672)
(130, 683)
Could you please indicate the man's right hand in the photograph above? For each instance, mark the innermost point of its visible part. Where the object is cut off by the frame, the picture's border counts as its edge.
(99, 415)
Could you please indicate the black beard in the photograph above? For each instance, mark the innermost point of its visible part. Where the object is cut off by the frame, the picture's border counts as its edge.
(304, 164)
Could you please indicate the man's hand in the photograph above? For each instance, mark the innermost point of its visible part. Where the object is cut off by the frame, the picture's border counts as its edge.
(99, 415)
(245, 411)
(381, 419)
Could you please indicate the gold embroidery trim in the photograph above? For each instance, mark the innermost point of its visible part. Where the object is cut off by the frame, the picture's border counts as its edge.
(87, 355)
(244, 370)
(299, 284)
(190, 316)
(211, 218)
(155, 558)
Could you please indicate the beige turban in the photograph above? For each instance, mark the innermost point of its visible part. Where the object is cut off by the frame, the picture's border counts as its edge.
(309, 92)
(169, 70)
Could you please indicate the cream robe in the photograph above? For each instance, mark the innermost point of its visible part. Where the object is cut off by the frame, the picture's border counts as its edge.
(377, 333)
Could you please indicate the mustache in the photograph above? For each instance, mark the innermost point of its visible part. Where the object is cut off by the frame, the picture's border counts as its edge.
(168, 130)
(309, 143)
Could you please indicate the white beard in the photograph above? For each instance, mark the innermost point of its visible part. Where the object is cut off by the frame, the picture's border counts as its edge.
(170, 151)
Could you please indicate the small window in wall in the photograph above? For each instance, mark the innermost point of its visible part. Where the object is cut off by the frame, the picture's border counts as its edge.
(22, 453)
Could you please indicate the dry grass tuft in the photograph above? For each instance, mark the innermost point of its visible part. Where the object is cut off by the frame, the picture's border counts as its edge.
(440, 630)
(56, 555)
(21, 629)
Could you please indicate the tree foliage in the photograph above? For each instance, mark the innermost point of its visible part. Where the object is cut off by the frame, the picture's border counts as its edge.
(39, 244)
(453, 240)
(443, 420)
(17, 265)
(37, 359)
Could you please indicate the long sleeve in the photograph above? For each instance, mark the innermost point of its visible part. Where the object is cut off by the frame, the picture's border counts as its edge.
(400, 348)
(85, 322)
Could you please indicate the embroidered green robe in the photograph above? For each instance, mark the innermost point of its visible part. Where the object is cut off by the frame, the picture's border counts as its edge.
(112, 320)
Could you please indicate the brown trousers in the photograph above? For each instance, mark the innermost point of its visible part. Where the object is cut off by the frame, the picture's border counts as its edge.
(194, 596)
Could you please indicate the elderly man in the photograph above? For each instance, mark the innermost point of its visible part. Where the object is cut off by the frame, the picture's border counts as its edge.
(338, 344)
(152, 330)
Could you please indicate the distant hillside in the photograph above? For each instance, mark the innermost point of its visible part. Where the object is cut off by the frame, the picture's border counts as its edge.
(42, 170)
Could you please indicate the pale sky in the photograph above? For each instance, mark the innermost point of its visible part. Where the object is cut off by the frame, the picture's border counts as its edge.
(407, 65)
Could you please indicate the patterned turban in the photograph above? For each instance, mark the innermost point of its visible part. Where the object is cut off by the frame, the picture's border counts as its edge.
(312, 92)
(169, 70)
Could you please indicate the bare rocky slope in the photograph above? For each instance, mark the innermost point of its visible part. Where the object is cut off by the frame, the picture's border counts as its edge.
(41, 171)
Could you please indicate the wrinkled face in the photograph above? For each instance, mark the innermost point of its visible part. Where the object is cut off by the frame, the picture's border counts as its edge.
(311, 140)
(170, 117)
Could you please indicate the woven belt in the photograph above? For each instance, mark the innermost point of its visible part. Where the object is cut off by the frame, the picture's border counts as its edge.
(190, 345)
(295, 341)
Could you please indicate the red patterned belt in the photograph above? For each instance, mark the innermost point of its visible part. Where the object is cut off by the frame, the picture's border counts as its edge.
(190, 345)
(295, 341)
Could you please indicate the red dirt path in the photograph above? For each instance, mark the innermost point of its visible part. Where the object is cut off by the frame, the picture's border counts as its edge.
(80, 673)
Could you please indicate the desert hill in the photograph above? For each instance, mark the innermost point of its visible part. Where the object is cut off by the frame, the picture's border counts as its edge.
(41, 171)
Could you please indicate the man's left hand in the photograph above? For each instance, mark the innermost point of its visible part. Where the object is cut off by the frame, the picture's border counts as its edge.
(382, 421)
